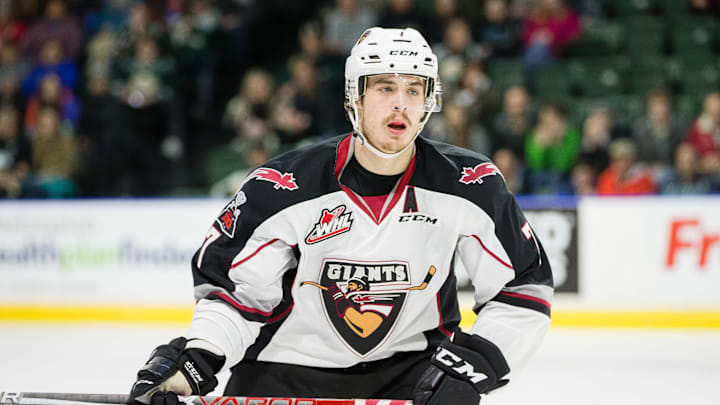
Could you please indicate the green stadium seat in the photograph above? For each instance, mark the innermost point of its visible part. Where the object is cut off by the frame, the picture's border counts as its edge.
(554, 81)
(699, 38)
(647, 43)
(637, 7)
(688, 105)
(221, 161)
(506, 72)
(599, 78)
(597, 41)
(673, 8)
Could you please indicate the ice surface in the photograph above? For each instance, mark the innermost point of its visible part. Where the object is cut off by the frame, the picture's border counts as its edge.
(574, 366)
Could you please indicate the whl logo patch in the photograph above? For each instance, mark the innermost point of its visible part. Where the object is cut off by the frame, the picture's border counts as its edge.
(331, 223)
(282, 180)
(476, 174)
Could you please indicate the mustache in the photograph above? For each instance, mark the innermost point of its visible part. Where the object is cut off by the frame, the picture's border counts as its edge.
(396, 115)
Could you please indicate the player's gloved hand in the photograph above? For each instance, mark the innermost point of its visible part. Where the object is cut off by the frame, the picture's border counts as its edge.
(460, 371)
(341, 303)
(171, 370)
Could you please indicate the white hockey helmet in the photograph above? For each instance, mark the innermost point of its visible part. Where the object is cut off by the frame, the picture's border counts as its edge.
(390, 51)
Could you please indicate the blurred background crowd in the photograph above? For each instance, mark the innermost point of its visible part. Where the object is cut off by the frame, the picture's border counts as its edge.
(182, 97)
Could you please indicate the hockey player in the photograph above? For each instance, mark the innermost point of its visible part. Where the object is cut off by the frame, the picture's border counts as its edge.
(331, 272)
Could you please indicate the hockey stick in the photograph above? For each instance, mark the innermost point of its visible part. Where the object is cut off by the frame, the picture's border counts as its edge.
(428, 277)
(41, 398)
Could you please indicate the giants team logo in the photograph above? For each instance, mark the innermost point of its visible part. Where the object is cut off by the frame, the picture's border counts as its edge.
(362, 300)
(476, 174)
(284, 180)
(229, 215)
(331, 223)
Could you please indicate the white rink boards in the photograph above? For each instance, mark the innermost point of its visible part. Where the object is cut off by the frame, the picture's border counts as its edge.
(574, 366)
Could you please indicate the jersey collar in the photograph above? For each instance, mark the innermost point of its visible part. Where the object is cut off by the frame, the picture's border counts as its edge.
(344, 152)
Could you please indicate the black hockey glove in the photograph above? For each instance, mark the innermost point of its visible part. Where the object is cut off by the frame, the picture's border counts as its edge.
(173, 370)
(460, 371)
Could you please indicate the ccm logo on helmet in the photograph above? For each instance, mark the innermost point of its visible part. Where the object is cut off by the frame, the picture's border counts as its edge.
(404, 53)
(459, 365)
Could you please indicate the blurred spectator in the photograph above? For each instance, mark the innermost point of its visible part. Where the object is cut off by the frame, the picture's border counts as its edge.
(10, 92)
(438, 19)
(51, 60)
(140, 24)
(102, 147)
(551, 151)
(457, 127)
(14, 153)
(12, 30)
(510, 127)
(499, 33)
(582, 179)
(547, 30)
(686, 177)
(112, 16)
(143, 83)
(52, 94)
(625, 175)
(56, 24)
(704, 6)
(344, 23)
(400, 14)
(454, 52)
(12, 71)
(143, 80)
(599, 129)
(331, 66)
(303, 107)
(659, 132)
(193, 38)
(473, 89)
(53, 161)
(248, 113)
(512, 170)
(704, 134)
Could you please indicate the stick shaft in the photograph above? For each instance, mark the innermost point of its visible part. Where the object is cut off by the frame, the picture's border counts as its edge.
(47, 398)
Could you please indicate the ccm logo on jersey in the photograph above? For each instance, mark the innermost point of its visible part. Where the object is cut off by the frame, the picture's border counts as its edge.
(284, 180)
(331, 223)
(476, 174)
(459, 365)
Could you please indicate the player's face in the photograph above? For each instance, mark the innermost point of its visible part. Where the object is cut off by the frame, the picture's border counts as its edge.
(391, 110)
(352, 287)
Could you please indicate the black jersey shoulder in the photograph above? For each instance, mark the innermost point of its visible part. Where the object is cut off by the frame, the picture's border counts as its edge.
(458, 171)
(295, 176)
(285, 180)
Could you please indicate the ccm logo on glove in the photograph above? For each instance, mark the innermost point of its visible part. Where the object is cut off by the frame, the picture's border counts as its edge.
(460, 366)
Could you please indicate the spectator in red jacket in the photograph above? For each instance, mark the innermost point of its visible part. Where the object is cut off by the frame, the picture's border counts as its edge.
(704, 134)
(550, 26)
(625, 175)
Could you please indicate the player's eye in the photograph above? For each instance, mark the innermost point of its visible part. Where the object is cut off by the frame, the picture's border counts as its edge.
(386, 89)
(413, 92)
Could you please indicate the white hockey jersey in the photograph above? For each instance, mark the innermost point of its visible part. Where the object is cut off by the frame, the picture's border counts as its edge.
(297, 268)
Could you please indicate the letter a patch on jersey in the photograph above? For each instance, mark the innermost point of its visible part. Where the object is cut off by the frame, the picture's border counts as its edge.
(229, 215)
(331, 223)
(476, 174)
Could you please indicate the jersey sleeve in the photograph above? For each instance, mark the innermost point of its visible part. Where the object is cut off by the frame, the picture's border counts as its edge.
(509, 271)
(240, 270)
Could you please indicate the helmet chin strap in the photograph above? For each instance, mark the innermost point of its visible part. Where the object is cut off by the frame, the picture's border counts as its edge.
(377, 152)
